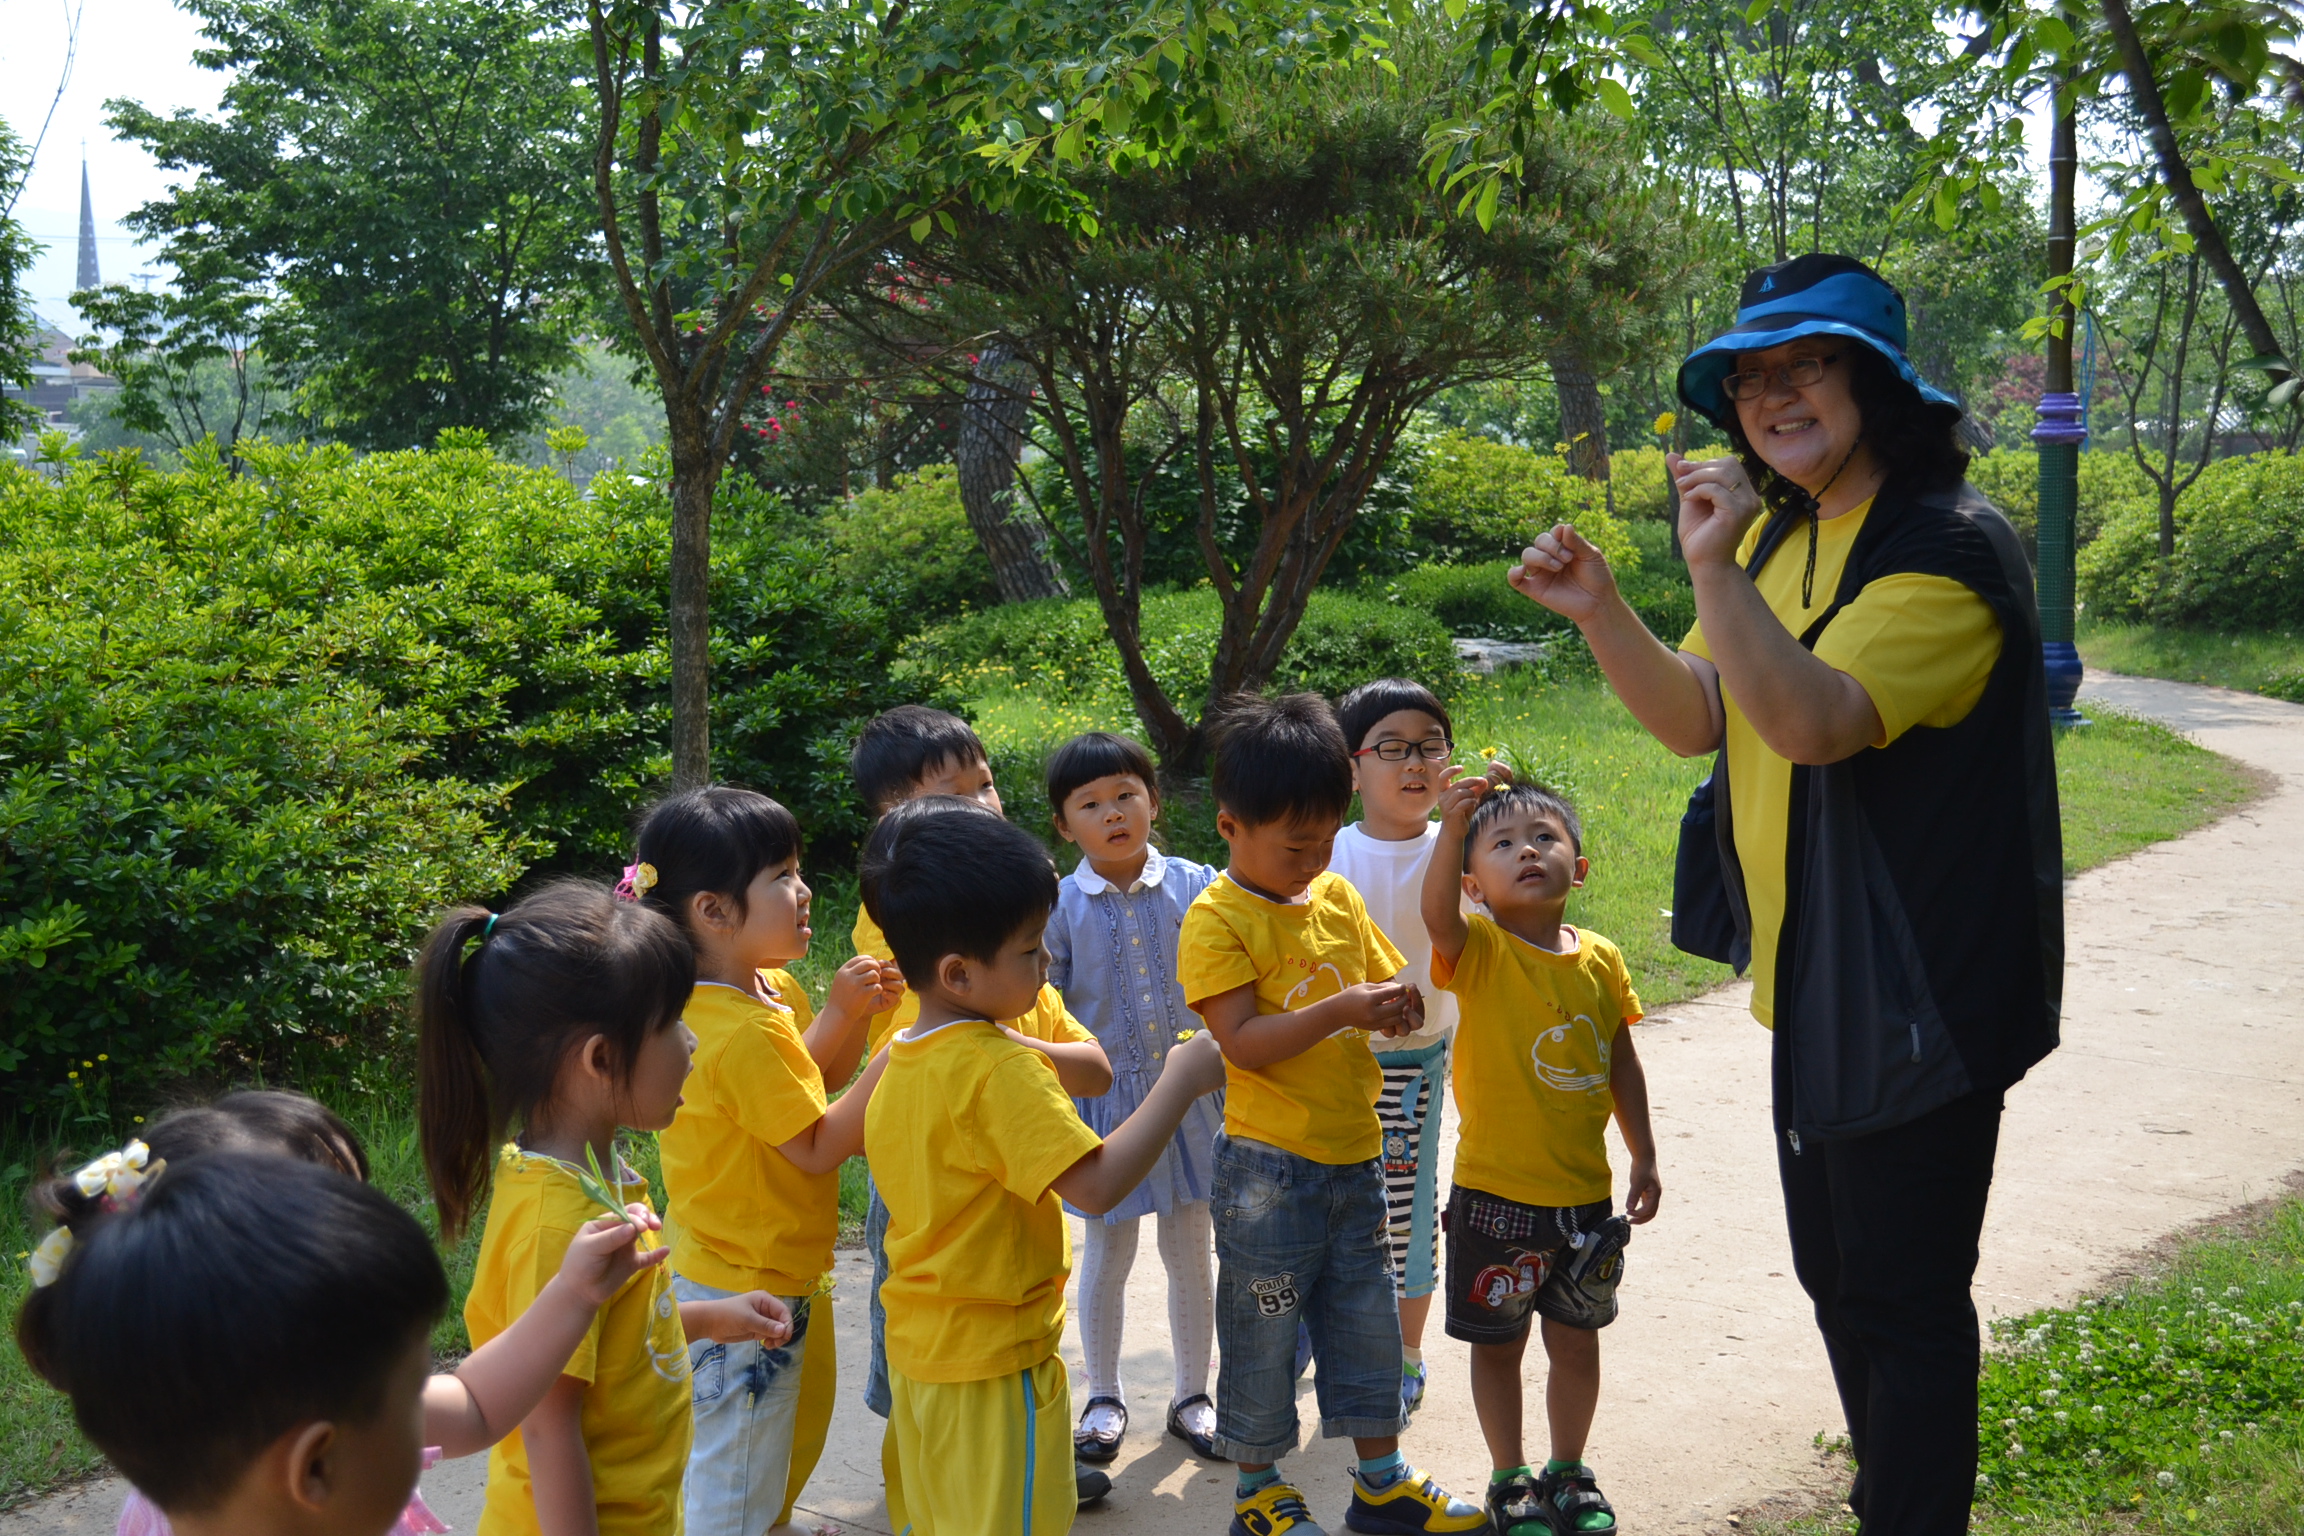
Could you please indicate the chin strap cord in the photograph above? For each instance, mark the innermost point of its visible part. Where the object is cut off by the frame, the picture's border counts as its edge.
(1805, 505)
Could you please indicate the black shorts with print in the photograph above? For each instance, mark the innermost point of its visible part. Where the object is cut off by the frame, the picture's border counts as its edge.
(1506, 1260)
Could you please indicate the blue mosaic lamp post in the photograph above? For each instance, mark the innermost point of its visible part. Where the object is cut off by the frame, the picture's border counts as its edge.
(2058, 437)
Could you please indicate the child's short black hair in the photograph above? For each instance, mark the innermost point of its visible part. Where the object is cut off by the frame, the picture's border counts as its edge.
(1506, 798)
(240, 1296)
(959, 883)
(502, 998)
(898, 749)
(1281, 759)
(1094, 755)
(1358, 711)
(712, 839)
(880, 843)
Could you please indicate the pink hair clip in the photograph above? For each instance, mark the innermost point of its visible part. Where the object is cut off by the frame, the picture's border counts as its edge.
(638, 881)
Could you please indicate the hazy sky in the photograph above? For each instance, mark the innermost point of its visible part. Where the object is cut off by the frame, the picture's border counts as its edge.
(138, 49)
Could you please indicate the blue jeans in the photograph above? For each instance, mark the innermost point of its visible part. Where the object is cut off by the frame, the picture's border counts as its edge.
(876, 1393)
(747, 1401)
(1302, 1241)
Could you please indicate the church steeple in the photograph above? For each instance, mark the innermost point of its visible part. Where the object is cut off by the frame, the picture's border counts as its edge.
(89, 277)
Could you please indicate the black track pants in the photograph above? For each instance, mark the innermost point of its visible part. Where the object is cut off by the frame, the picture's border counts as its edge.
(1884, 1231)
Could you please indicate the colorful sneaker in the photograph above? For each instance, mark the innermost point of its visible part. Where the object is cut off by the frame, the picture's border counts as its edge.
(1411, 1505)
(1411, 1388)
(1276, 1509)
(1516, 1507)
(1577, 1507)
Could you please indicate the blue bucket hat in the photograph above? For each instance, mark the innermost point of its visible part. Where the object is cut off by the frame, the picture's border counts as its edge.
(1816, 295)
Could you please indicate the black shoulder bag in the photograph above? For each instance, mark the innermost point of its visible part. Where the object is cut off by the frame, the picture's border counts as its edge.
(1710, 915)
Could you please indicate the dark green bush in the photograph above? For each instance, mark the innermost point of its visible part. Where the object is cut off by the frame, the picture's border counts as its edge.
(1063, 648)
(2238, 563)
(1474, 600)
(254, 731)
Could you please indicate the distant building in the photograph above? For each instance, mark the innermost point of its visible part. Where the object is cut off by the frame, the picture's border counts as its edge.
(57, 381)
(89, 276)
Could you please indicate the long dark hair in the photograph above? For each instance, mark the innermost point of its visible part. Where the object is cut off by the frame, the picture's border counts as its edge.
(502, 1000)
(1913, 439)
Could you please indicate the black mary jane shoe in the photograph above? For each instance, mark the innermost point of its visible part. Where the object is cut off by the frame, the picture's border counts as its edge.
(1203, 1446)
(1095, 1448)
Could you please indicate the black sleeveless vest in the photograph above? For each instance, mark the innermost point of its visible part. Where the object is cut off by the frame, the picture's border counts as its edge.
(1922, 951)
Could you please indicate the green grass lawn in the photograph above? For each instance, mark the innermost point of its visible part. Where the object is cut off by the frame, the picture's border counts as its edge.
(2269, 662)
(2125, 784)
(2172, 1403)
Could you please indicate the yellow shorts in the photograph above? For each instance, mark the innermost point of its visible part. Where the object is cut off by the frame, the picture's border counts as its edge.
(986, 1458)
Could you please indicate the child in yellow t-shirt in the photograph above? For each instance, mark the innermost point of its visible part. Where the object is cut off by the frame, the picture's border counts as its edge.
(752, 1159)
(1542, 1061)
(972, 1140)
(1280, 959)
(910, 753)
(561, 1016)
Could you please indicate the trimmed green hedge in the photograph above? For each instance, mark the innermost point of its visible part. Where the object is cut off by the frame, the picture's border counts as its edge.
(2239, 561)
(2110, 486)
(1062, 647)
(254, 732)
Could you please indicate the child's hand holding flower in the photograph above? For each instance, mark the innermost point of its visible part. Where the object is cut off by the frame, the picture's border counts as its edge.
(606, 1253)
(1460, 791)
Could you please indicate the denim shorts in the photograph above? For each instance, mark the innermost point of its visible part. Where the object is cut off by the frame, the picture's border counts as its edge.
(747, 1405)
(1301, 1242)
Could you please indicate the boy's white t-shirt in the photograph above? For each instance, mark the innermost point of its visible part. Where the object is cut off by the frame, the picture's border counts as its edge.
(1390, 880)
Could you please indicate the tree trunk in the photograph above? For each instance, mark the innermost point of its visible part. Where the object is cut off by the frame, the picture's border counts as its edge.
(2176, 175)
(1583, 420)
(695, 474)
(991, 442)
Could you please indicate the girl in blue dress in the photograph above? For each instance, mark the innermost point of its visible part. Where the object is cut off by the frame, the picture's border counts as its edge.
(1112, 953)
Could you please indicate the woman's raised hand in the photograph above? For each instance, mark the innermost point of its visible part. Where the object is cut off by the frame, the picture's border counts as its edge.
(1566, 573)
(1717, 503)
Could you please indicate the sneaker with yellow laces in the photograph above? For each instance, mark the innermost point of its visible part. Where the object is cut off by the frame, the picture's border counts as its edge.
(1409, 1504)
(1276, 1509)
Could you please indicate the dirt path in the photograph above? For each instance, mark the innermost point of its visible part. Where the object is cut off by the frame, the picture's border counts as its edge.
(2178, 1094)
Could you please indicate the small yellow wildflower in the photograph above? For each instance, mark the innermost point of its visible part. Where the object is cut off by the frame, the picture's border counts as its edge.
(1665, 422)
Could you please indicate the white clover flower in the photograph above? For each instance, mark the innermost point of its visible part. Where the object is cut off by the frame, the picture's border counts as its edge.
(2007, 1423)
(2061, 1416)
(2226, 1436)
(2049, 1395)
(2098, 1410)
(2093, 1458)
(2165, 1479)
(2233, 1290)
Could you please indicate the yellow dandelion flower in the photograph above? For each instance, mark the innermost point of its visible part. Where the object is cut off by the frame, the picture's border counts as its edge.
(1665, 422)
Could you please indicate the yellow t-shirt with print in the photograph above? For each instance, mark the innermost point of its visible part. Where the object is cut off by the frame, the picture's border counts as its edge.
(1321, 1103)
(1049, 1021)
(1534, 1036)
(1922, 646)
(965, 1133)
(636, 1420)
(741, 1215)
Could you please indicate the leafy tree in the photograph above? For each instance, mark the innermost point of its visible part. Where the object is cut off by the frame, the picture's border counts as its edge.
(748, 156)
(1271, 316)
(190, 360)
(409, 175)
(18, 325)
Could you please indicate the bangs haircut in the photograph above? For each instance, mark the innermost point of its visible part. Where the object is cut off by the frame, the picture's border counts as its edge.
(715, 839)
(960, 884)
(896, 750)
(242, 1295)
(1095, 755)
(501, 1002)
(1495, 805)
(891, 829)
(1281, 760)
(1358, 711)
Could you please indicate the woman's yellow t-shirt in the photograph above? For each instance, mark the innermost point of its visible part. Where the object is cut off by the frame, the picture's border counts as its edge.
(1049, 1021)
(1534, 1037)
(635, 1357)
(965, 1134)
(741, 1215)
(1922, 646)
(1321, 1103)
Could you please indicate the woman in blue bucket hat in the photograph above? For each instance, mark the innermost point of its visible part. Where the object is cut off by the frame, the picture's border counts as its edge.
(1878, 838)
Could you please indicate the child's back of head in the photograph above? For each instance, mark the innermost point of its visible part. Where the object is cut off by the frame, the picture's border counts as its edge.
(898, 752)
(1281, 760)
(891, 830)
(502, 1001)
(951, 878)
(234, 1298)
